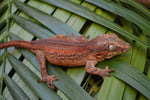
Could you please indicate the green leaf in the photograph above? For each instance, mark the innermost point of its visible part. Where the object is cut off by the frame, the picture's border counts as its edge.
(41, 90)
(86, 13)
(2, 98)
(2, 24)
(129, 74)
(15, 91)
(48, 21)
(136, 57)
(138, 6)
(124, 12)
(32, 27)
(112, 89)
(3, 9)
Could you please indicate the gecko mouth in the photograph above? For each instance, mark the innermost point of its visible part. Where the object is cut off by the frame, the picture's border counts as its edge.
(125, 50)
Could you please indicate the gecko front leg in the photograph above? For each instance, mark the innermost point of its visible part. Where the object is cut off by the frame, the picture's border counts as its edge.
(90, 68)
(45, 77)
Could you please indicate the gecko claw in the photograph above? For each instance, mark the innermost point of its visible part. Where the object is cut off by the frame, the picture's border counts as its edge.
(49, 80)
(106, 72)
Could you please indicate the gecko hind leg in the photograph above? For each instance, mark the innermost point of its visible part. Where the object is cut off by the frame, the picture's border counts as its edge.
(45, 77)
(90, 68)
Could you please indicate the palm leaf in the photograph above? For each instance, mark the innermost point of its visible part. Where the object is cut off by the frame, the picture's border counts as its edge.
(44, 25)
(49, 21)
(86, 13)
(33, 27)
(16, 92)
(130, 77)
(3, 9)
(124, 12)
(138, 6)
(27, 75)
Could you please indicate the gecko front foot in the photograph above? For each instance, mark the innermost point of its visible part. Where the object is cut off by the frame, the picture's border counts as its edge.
(106, 72)
(49, 80)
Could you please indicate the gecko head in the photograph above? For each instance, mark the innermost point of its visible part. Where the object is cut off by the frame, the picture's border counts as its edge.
(111, 45)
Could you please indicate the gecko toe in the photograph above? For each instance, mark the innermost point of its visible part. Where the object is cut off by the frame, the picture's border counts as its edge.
(106, 72)
(51, 86)
(53, 78)
(111, 70)
(49, 80)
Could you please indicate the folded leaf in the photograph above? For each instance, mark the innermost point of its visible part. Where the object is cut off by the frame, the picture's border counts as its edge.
(129, 75)
(138, 6)
(41, 90)
(88, 14)
(124, 12)
(48, 21)
(32, 27)
(3, 9)
(14, 90)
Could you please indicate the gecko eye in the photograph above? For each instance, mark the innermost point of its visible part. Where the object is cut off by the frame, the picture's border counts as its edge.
(111, 47)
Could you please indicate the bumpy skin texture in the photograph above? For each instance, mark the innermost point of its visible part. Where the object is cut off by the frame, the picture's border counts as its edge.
(73, 51)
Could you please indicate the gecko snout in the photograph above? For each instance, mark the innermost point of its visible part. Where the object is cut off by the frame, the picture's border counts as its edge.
(127, 47)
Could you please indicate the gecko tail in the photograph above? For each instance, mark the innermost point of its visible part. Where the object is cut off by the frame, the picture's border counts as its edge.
(16, 43)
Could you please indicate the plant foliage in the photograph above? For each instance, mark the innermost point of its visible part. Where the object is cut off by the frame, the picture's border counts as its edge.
(40, 19)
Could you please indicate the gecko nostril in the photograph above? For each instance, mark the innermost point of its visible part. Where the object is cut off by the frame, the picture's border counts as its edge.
(129, 46)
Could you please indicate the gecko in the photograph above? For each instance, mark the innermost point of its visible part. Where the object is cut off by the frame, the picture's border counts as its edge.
(73, 51)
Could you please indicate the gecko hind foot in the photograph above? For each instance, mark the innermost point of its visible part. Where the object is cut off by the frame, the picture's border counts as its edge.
(106, 72)
(49, 80)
